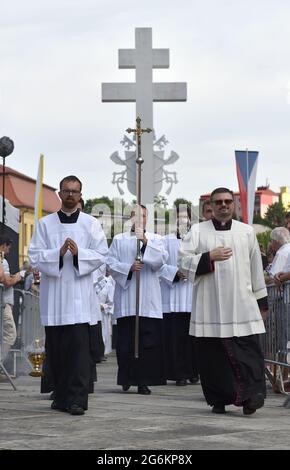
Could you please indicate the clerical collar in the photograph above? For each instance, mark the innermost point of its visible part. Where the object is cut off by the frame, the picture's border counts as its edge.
(68, 218)
(133, 230)
(69, 214)
(222, 226)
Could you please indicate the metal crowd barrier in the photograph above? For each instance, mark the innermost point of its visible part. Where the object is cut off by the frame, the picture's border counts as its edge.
(277, 338)
(29, 329)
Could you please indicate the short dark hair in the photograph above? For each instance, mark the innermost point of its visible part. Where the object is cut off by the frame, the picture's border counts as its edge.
(5, 240)
(183, 208)
(221, 190)
(70, 178)
(133, 212)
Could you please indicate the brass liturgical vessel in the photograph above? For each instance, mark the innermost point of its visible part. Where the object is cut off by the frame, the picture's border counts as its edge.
(36, 358)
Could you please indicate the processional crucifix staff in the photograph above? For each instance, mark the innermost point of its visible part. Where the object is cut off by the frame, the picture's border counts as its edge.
(139, 160)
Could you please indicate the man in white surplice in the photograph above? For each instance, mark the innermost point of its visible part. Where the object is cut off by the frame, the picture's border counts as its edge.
(223, 260)
(180, 357)
(149, 368)
(66, 248)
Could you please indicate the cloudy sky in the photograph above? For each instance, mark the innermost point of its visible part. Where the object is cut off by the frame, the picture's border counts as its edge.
(233, 54)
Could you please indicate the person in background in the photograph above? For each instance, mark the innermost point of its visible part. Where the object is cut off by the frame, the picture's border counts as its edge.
(207, 212)
(180, 356)
(9, 333)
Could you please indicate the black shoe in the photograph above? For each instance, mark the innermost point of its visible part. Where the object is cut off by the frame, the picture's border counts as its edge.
(52, 396)
(144, 390)
(181, 382)
(194, 379)
(76, 410)
(57, 406)
(126, 387)
(253, 404)
(219, 409)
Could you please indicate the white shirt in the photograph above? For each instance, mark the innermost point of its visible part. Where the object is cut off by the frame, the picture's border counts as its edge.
(67, 295)
(8, 292)
(224, 301)
(280, 261)
(122, 255)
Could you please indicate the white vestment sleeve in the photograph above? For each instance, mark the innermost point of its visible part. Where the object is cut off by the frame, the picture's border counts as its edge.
(167, 273)
(120, 270)
(40, 257)
(258, 280)
(89, 259)
(188, 257)
(155, 254)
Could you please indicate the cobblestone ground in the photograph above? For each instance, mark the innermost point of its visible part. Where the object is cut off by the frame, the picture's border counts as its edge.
(171, 418)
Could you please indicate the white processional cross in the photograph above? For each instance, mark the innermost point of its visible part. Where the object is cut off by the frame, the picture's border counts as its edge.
(144, 92)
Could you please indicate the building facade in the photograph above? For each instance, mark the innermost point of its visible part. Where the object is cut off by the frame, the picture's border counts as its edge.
(20, 191)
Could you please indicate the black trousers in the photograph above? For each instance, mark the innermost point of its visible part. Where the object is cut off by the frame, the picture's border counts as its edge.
(68, 355)
(232, 370)
(180, 354)
(96, 352)
(149, 368)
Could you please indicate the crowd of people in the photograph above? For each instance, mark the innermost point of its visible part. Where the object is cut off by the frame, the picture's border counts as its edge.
(202, 299)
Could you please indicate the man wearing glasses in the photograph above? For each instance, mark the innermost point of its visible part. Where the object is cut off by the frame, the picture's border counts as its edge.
(223, 260)
(66, 247)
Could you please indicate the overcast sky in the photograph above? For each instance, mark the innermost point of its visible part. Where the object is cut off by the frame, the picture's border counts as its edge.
(233, 54)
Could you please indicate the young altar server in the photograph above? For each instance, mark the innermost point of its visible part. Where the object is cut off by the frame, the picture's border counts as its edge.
(148, 369)
(66, 247)
(180, 356)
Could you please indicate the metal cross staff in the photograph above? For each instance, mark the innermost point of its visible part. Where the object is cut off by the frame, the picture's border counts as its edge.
(139, 160)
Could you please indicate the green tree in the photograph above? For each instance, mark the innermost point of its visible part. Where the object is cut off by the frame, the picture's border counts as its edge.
(104, 200)
(160, 201)
(181, 200)
(263, 239)
(275, 215)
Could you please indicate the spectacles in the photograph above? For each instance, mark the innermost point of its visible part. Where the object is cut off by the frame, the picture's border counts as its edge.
(74, 192)
(219, 202)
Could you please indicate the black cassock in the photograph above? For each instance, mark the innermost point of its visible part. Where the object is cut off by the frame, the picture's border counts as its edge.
(180, 347)
(149, 368)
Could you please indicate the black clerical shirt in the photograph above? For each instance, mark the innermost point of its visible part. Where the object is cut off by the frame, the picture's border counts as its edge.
(69, 219)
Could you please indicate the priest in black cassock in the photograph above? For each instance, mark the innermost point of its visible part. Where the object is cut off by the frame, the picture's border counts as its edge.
(66, 248)
(223, 260)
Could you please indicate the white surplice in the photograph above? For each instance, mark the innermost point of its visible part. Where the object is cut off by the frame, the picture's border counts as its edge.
(224, 301)
(105, 294)
(67, 295)
(122, 255)
(176, 296)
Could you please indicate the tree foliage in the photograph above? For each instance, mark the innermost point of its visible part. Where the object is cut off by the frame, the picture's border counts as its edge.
(275, 215)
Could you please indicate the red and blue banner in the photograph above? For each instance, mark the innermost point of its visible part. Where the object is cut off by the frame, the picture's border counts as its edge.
(247, 163)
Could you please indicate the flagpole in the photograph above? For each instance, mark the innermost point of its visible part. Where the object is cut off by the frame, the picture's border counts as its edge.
(38, 192)
(247, 158)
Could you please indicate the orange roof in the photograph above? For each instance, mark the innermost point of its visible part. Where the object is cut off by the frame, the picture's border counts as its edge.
(20, 191)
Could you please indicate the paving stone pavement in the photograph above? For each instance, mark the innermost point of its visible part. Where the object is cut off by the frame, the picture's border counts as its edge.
(175, 418)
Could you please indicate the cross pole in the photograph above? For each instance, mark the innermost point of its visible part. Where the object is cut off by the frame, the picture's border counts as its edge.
(138, 131)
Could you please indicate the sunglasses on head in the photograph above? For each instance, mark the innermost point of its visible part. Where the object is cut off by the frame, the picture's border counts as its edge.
(219, 202)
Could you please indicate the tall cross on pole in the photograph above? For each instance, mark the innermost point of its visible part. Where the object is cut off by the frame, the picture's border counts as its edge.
(139, 160)
(144, 92)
